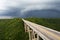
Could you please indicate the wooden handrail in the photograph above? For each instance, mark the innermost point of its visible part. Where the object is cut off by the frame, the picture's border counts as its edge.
(44, 32)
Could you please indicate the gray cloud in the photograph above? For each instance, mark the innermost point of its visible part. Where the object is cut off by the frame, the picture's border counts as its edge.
(18, 7)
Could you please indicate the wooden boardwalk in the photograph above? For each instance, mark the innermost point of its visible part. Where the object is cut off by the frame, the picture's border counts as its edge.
(36, 32)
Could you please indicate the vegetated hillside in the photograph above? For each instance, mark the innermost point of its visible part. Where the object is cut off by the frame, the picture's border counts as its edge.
(12, 29)
(53, 23)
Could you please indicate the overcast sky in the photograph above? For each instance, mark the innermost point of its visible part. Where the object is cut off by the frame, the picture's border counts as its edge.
(27, 5)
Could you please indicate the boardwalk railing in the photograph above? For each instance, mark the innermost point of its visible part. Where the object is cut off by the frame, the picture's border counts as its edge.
(38, 32)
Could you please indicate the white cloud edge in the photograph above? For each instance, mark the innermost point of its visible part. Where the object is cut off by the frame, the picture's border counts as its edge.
(6, 17)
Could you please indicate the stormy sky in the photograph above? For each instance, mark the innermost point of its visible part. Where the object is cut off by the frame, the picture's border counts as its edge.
(17, 8)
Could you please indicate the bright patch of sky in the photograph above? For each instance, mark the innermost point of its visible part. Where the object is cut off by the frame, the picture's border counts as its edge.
(6, 17)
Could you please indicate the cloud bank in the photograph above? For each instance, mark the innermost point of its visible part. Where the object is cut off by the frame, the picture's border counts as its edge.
(21, 6)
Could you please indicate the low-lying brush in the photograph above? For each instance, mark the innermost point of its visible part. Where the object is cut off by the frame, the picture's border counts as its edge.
(12, 29)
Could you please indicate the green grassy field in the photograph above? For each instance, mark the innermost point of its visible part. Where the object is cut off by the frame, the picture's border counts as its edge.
(53, 23)
(13, 29)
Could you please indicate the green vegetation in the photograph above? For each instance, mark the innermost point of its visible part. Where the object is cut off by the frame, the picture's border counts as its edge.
(53, 23)
(12, 29)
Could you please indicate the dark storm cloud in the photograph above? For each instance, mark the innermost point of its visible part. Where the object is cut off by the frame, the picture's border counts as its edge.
(23, 8)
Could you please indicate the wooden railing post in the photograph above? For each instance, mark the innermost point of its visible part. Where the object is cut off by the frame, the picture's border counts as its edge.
(25, 26)
(29, 31)
(33, 34)
(38, 37)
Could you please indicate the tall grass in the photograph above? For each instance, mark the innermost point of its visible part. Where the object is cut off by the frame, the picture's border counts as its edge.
(12, 29)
